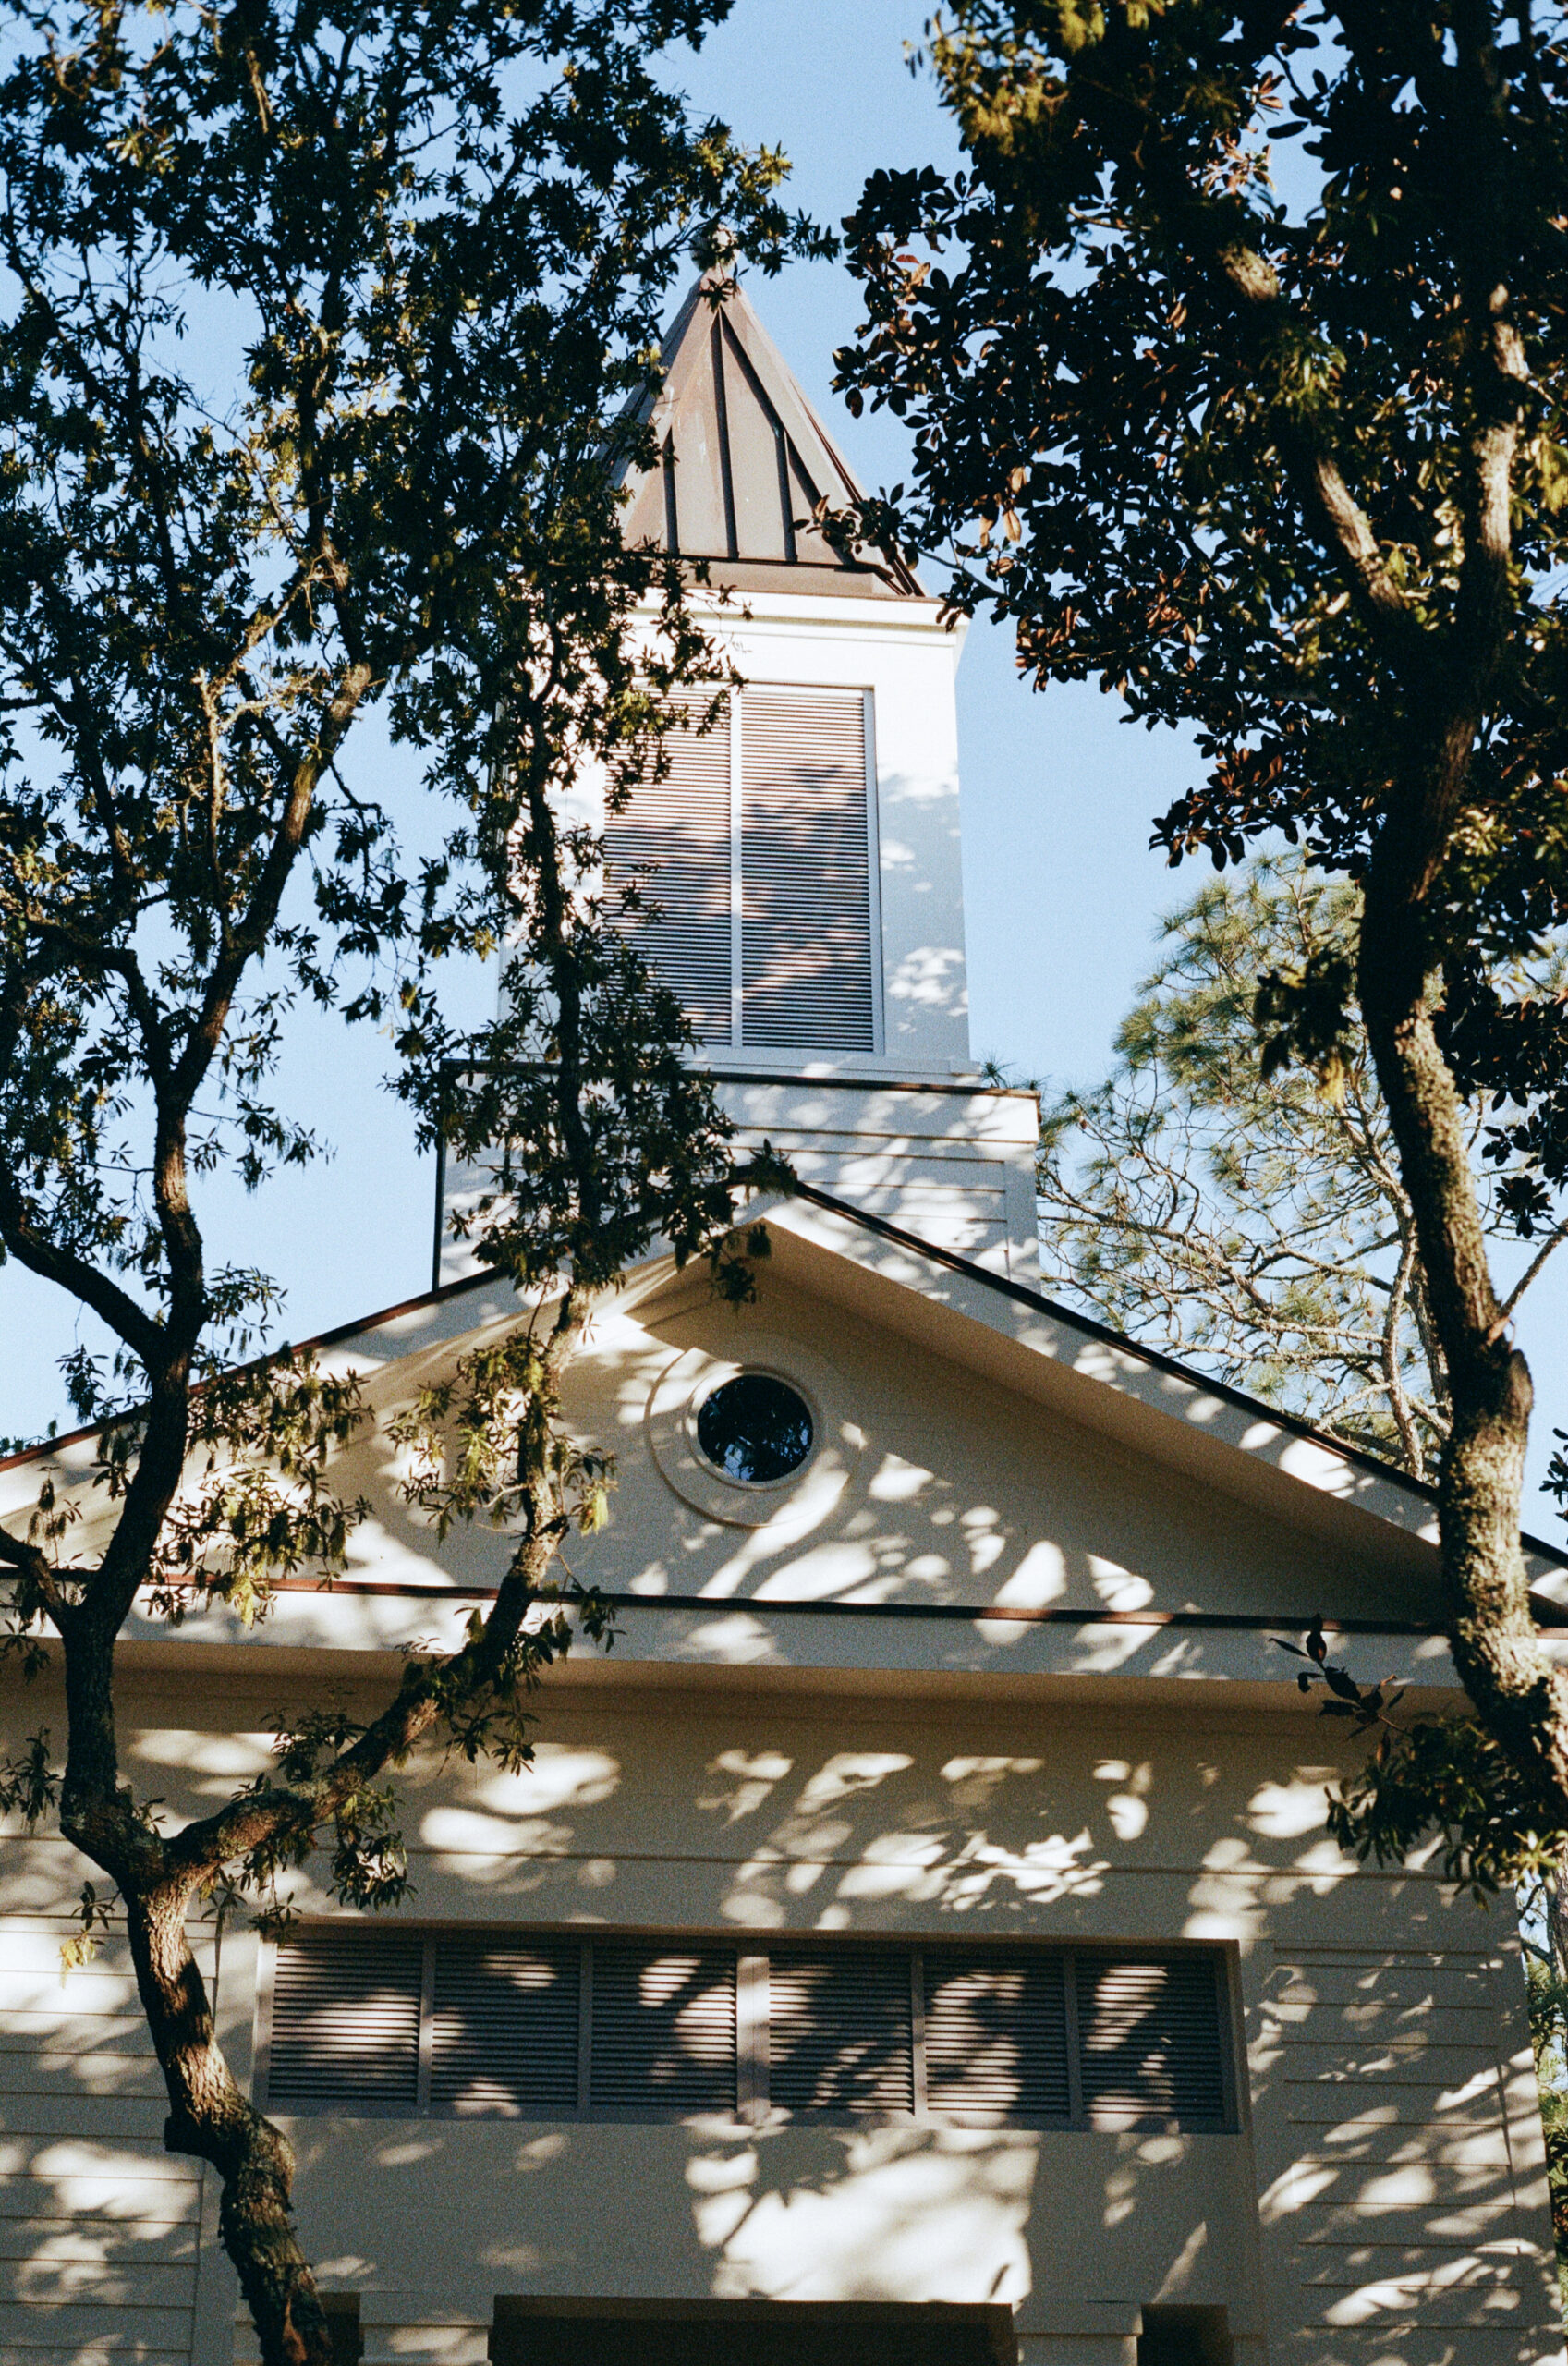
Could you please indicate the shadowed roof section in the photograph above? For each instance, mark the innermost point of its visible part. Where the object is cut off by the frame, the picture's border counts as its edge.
(744, 462)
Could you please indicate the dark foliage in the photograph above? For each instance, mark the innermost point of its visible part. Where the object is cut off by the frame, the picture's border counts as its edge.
(316, 336)
(1236, 366)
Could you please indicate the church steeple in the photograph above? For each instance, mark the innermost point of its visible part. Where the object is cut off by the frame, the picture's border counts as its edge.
(799, 862)
(744, 461)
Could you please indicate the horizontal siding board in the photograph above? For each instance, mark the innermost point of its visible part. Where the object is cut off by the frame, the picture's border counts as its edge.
(36, 2201)
(1368, 2197)
(101, 2118)
(1312, 2045)
(97, 2073)
(1388, 2145)
(36, 1946)
(1339, 2026)
(1348, 1985)
(1457, 2219)
(1441, 2069)
(31, 2347)
(38, 1949)
(77, 2236)
(1428, 2271)
(119, 2033)
(1383, 1959)
(70, 2323)
(39, 1989)
(1344, 2108)
(126, 2284)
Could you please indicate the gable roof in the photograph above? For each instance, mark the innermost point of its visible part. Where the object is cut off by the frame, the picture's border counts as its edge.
(1077, 1368)
(1104, 1380)
(744, 461)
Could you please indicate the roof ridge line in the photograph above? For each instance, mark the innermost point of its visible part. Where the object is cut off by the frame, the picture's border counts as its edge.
(435, 1295)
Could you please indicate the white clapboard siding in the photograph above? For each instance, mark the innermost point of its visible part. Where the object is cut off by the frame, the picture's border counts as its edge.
(840, 2031)
(664, 2029)
(504, 2026)
(1355, 1986)
(1150, 2039)
(996, 2036)
(1410, 2223)
(346, 2020)
(98, 2223)
(681, 826)
(806, 908)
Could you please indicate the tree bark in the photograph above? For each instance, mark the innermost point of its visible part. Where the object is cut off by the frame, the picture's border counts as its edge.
(209, 2117)
(158, 1877)
(1520, 1698)
(212, 2119)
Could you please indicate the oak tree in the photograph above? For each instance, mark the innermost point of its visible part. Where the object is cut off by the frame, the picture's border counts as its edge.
(1235, 363)
(317, 336)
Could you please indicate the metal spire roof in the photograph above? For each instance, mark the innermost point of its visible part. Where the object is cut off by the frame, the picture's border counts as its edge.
(744, 461)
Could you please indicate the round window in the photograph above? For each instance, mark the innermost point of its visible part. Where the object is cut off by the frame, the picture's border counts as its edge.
(755, 1428)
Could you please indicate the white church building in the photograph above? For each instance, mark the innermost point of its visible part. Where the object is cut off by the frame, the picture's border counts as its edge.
(918, 1943)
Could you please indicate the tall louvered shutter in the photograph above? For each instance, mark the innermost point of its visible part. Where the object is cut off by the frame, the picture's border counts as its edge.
(805, 897)
(840, 2031)
(681, 825)
(346, 2019)
(996, 2036)
(1150, 2039)
(662, 2034)
(504, 2036)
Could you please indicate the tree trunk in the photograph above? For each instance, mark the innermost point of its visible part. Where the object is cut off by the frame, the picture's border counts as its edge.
(1556, 1889)
(212, 2119)
(1520, 1698)
(209, 2117)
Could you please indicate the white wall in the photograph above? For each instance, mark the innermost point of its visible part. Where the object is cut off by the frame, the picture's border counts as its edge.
(1381, 2202)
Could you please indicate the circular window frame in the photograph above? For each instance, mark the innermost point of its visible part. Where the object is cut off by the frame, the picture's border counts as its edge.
(751, 1370)
(683, 1389)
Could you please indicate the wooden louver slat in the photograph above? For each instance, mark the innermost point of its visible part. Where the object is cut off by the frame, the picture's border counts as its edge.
(681, 824)
(840, 2031)
(504, 2027)
(663, 2033)
(805, 913)
(346, 2019)
(996, 2036)
(1151, 2040)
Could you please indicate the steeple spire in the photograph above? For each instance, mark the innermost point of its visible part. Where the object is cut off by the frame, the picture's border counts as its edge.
(744, 461)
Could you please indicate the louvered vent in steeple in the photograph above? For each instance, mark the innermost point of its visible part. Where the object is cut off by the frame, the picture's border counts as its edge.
(677, 832)
(806, 891)
(758, 903)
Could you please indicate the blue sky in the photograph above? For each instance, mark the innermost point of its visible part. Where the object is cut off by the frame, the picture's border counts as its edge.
(1062, 894)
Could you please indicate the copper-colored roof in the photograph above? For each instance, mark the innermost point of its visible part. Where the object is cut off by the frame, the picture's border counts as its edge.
(744, 461)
